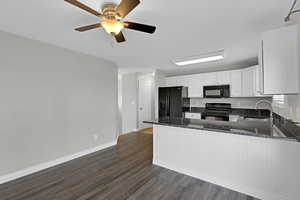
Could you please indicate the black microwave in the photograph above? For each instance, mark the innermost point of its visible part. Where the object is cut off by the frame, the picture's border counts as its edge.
(216, 91)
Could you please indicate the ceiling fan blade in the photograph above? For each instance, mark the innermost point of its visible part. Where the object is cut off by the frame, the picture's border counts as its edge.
(120, 37)
(140, 27)
(89, 27)
(84, 7)
(126, 6)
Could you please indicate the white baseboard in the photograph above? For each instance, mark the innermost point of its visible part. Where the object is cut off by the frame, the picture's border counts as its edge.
(136, 130)
(42, 166)
(140, 129)
(234, 187)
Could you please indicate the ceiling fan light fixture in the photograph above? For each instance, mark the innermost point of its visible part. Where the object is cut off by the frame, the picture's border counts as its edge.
(112, 16)
(112, 26)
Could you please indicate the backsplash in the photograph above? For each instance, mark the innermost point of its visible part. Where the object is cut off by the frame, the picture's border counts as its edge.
(287, 106)
(247, 103)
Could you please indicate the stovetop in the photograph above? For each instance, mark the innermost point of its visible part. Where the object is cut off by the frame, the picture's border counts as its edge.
(217, 109)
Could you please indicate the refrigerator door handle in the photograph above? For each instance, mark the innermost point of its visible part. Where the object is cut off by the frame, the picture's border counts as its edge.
(168, 106)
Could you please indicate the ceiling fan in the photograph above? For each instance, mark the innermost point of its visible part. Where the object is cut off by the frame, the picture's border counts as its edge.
(112, 16)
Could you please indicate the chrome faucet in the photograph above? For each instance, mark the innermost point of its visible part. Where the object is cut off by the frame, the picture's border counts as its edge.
(271, 111)
(267, 102)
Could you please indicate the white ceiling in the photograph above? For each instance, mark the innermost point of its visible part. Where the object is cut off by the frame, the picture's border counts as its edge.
(184, 28)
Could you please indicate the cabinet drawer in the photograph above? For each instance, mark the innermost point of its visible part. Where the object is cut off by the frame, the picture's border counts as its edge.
(192, 115)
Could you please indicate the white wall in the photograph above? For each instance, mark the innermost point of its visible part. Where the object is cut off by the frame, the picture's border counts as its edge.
(120, 102)
(287, 106)
(248, 103)
(129, 102)
(261, 167)
(53, 102)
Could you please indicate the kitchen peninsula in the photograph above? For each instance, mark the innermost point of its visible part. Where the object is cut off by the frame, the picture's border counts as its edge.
(243, 156)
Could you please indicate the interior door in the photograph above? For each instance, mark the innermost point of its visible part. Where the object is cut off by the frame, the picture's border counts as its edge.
(146, 101)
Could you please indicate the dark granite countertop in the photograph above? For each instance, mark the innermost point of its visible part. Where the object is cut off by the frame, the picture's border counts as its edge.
(248, 127)
(286, 126)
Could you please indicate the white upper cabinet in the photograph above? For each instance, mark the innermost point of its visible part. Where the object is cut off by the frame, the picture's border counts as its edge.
(196, 83)
(236, 83)
(243, 83)
(182, 81)
(248, 84)
(177, 81)
(210, 78)
(258, 87)
(251, 82)
(280, 61)
(171, 81)
(223, 78)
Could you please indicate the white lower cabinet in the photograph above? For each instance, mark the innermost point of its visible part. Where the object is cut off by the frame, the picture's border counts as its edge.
(190, 115)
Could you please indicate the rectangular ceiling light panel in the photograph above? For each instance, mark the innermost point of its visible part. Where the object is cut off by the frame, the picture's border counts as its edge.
(200, 59)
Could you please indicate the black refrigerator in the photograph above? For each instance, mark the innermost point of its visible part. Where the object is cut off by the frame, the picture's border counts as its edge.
(173, 102)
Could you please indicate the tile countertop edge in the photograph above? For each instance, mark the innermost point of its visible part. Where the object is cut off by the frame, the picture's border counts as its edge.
(223, 131)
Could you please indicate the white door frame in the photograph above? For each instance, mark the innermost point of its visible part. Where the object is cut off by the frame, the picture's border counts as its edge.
(146, 102)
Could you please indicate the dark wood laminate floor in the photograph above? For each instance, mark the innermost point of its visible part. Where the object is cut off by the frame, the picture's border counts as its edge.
(121, 172)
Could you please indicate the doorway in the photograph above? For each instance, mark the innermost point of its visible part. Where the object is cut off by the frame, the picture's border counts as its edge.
(145, 100)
